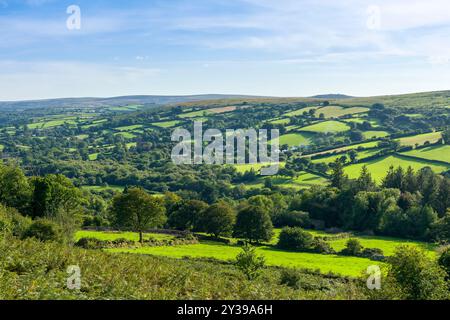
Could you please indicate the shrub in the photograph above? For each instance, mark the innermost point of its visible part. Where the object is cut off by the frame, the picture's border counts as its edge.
(418, 276)
(44, 230)
(90, 243)
(373, 254)
(293, 219)
(295, 239)
(444, 260)
(249, 262)
(5, 221)
(290, 278)
(321, 246)
(352, 248)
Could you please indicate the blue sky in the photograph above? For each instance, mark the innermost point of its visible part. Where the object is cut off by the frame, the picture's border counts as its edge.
(260, 47)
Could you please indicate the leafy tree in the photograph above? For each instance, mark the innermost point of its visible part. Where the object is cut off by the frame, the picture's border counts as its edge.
(353, 247)
(249, 262)
(187, 215)
(218, 219)
(295, 239)
(15, 190)
(418, 276)
(444, 261)
(137, 210)
(338, 177)
(365, 181)
(253, 223)
(292, 219)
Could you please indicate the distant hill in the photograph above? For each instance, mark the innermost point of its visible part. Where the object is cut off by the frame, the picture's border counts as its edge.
(113, 101)
(331, 96)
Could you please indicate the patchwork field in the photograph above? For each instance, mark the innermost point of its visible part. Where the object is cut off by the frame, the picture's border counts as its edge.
(302, 181)
(361, 155)
(375, 134)
(420, 139)
(204, 112)
(299, 112)
(336, 111)
(365, 145)
(296, 139)
(326, 127)
(281, 121)
(166, 124)
(257, 167)
(380, 166)
(440, 153)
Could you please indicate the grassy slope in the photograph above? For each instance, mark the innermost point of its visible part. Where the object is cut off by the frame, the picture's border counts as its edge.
(380, 166)
(420, 139)
(441, 153)
(35, 271)
(327, 126)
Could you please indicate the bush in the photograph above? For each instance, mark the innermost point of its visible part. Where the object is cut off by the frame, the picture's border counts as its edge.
(249, 262)
(352, 248)
(12, 222)
(418, 276)
(302, 281)
(90, 243)
(44, 230)
(293, 219)
(444, 260)
(373, 254)
(295, 239)
(5, 221)
(321, 246)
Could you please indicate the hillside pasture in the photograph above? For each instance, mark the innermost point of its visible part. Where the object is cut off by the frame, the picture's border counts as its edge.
(326, 127)
(375, 134)
(296, 139)
(166, 124)
(336, 111)
(439, 153)
(420, 139)
(379, 167)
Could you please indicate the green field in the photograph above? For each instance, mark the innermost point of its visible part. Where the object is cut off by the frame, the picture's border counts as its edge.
(365, 145)
(348, 266)
(375, 134)
(166, 124)
(129, 128)
(302, 181)
(257, 166)
(361, 155)
(326, 126)
(420, 139)
(104, 188)
(126, 135)
(379, 167)
(440, 153)
(295, 139)
(110, 235)
(336, 111)
(93, 156)
(50, 124)
(280, 121)
(299, 112)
